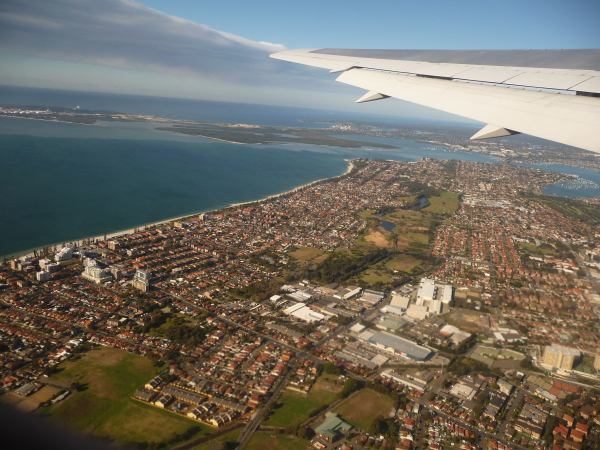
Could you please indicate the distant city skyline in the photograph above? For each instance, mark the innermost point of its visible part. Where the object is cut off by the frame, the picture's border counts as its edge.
(220, 51)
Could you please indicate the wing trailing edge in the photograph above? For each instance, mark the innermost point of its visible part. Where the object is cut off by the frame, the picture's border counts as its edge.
(550, 101)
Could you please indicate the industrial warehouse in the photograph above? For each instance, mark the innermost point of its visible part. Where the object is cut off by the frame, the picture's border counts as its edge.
(396, 345)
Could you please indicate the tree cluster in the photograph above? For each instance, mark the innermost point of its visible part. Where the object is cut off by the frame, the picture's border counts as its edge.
(186, 335)
(339, 267)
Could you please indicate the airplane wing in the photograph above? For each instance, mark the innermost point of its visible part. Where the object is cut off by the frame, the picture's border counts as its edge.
(551, 94)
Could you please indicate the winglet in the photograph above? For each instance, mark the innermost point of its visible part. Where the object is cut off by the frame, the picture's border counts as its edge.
(492, 131)
(371, 96)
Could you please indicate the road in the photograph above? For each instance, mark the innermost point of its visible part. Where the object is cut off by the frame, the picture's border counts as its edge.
(257, 417)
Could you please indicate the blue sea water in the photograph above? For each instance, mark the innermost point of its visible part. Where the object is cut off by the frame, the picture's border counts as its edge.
(61, 182)
(58, 189)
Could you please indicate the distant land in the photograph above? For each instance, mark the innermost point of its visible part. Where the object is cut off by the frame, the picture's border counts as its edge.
(234, 133)
(522, 149)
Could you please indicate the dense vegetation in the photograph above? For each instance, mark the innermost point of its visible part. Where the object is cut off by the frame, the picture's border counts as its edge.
(464, 366)
(339, 267)
(261, 290)
(186, 335)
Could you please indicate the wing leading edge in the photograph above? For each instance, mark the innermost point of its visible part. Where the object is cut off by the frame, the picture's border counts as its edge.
(552, 94)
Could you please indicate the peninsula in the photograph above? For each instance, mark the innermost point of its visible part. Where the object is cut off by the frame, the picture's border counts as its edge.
(234, 133)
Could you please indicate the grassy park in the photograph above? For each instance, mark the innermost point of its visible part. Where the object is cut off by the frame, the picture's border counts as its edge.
(292, 408)
(306, 253)
(103, 407)
(373, 276)
(361, 408)
(403, 263)
(446, 203)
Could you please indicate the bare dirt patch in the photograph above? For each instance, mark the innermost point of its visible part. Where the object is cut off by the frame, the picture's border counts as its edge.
(466, 321)
(44, 394)
(379, 239)
(328, 384)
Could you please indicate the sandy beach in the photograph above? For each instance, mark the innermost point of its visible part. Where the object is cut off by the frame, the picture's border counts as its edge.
(186, 216)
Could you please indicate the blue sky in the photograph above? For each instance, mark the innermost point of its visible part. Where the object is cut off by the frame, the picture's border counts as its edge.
(425, 24)
(218, 50)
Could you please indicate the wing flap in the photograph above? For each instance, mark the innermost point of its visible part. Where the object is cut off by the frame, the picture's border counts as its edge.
(454, 81)
(569, 119)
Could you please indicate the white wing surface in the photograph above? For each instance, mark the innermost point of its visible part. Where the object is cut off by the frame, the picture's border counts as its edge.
(552, 94)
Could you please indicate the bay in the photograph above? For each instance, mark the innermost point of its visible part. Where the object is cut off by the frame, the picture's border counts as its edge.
(587, 184)
(59, 189)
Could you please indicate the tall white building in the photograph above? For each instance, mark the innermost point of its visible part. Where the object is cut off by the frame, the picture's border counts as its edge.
(65, 254)
(560, 357)
(93, 272)
(141, 280)
(42, 275)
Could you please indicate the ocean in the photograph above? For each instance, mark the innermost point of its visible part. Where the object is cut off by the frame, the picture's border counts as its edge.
(62, 182)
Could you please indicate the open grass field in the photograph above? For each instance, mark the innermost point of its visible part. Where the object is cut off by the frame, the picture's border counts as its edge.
(446, 203)
(373, 276)
(104, 407)
(264, 441)
(412, 228)
(293, 407)
(366, 214)
(404, 263)
(306, 253)
(360, 409)
(533, 249)
(229, 437)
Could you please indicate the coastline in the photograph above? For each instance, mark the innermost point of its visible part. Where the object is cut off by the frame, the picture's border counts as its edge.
(30, 252)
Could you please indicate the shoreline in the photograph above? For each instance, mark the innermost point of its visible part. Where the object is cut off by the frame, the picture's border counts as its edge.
(46, 120)
(30, 252)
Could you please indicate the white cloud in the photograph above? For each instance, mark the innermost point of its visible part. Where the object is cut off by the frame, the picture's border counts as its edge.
(123, 46)
(127, 35)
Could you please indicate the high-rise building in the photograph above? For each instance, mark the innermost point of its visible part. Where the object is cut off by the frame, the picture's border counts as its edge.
(560, 357)
(141, 280)
(65, 254)
(43, 275)
(93, 272)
